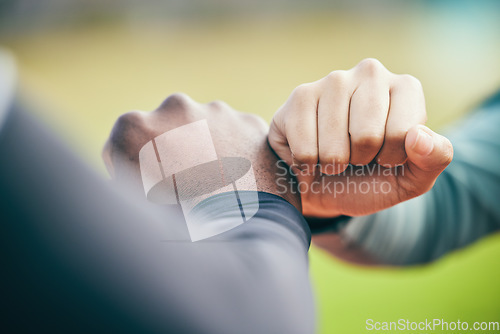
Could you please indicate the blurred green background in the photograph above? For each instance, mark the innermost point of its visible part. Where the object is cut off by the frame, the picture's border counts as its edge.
(83, 63)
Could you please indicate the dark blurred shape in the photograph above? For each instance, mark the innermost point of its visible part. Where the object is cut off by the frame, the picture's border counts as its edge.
(21, 15)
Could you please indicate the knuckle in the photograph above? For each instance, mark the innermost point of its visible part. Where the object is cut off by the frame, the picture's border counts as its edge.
(371, 66)
(302, 91)
(176, 100)
(129, 121)
(337, 78)
(410, 81)
(219, 105)
(126, 129)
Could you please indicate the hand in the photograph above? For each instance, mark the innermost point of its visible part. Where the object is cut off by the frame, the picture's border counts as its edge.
(234, 134)
(363, 116)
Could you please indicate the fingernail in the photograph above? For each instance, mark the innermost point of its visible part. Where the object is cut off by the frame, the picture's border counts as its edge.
(423, 144)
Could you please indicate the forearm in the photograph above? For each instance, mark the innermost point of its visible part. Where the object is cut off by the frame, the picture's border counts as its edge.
(112, 264)
(268, 268)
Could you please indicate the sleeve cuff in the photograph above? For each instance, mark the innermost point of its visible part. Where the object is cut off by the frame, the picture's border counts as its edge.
(271, 210)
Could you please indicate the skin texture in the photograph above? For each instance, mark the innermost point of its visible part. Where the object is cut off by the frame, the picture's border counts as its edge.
(234, 134)
(351, 119)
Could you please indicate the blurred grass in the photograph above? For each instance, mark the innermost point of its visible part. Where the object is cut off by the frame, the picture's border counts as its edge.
(84, 78)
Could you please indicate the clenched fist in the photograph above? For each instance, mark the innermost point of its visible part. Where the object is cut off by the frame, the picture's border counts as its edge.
(357, 141)
(234, 134)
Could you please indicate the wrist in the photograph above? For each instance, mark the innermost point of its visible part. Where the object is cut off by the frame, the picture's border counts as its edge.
(273, 176)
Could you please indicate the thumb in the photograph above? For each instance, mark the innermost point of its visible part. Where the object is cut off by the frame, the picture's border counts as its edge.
(428, 153)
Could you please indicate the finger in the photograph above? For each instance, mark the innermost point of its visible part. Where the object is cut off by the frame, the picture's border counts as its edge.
(301, 127)
(293, 131)
(407, 108)
(367, 119)
(333, 123)
(428, 155)
(277, 139)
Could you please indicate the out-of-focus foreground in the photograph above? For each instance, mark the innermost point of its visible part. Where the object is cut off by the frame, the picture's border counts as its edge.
(83, 63)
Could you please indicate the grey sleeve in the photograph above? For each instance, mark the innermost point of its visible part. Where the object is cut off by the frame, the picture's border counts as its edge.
(461, 207)
(78, 256)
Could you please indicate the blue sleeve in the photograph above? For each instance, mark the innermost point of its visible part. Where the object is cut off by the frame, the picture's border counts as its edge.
(461, 207)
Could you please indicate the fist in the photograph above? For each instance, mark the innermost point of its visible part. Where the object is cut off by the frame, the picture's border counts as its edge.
(366, 115)
(234, 134)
